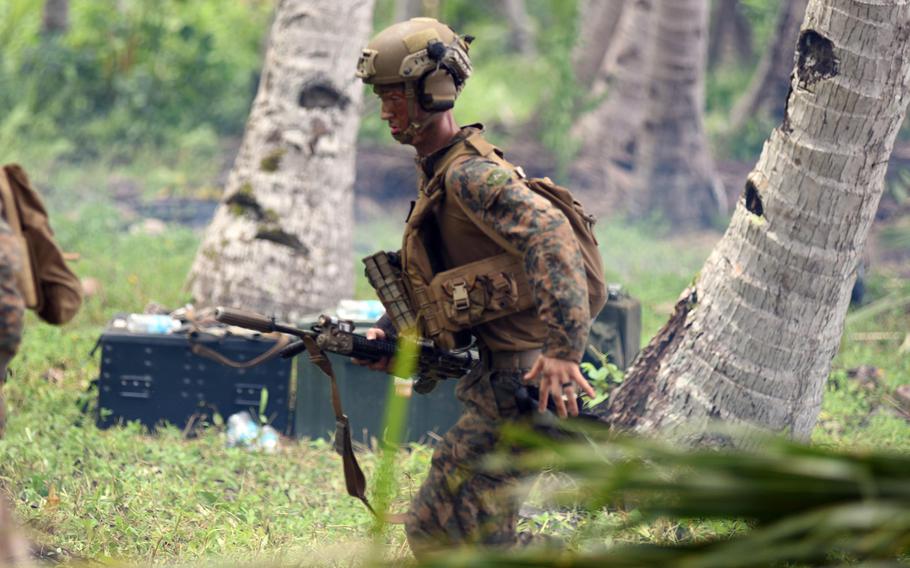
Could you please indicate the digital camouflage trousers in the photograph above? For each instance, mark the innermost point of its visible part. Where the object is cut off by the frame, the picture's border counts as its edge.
(460, 502)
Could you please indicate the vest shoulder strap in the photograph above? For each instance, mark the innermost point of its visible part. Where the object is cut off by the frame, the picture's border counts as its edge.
(456, 153)
(473, 145)
(480, 145)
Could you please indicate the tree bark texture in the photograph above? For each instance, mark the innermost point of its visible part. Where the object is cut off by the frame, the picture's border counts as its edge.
(647, 139)
(407, 9)
(608, 133)
(521, 29)
(752, 342)
(730, 39)
(767, 91)
(675, 172)
(56, 17)
(280, 241)
(431, 8)
(598, 23)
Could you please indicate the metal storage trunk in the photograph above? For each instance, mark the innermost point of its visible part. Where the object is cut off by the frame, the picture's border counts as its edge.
(156, 378)
(364, 393)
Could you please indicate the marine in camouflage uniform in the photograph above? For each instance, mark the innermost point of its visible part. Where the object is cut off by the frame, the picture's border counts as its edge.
(11, 307)
(460, 502)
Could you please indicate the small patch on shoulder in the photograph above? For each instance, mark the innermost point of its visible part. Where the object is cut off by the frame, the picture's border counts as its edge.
(498, 177)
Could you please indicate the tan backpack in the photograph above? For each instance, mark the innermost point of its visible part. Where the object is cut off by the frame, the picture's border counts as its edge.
(47, 284)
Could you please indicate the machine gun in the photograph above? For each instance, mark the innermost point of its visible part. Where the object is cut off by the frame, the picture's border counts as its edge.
(337, 336)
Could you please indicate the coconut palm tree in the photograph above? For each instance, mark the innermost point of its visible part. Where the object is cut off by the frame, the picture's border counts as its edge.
(675, 174)
(647, 138)
(281, 240)
(598, 22)
(751, 342)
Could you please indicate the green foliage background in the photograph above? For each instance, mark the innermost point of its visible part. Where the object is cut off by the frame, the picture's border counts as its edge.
(128, 76)
(153, 89)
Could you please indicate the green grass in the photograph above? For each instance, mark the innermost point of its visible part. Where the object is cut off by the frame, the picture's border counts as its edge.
(123, 494)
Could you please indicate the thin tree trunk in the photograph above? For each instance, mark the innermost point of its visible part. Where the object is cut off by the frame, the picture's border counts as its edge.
(521, 30)
(730, 34)
(608, 133)
(281, 240)
(407, 9)
(598, 23)
(767, 91)
(55, 19)
(431, 8)
(752, 342)
(674, 171)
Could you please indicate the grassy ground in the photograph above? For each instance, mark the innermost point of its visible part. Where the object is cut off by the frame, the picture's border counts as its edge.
(123, 494)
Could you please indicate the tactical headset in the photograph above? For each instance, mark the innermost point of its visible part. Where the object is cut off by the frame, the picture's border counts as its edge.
(438, 88)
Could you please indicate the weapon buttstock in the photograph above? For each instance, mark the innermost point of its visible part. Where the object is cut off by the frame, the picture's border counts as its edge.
(241, 318)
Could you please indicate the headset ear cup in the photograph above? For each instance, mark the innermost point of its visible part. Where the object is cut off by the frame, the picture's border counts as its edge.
(437, 91)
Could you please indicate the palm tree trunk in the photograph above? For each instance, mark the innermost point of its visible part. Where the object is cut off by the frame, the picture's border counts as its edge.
(521, 31)
(646, 141)
(608, 134)
(280, 241)
(767, 92)
(752, 342)
(730, 39)
(407, 9)
(674, 171)
(598, 23)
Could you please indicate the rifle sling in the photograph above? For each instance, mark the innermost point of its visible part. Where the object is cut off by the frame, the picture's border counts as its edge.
(203, 351)
(354, 480)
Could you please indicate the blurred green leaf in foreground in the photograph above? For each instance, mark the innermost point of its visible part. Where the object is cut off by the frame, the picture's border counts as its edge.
(802, 505)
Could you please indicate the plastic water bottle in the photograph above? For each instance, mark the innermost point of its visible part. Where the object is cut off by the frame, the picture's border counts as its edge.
(242, 430)
(245, 432)
(361, 310)
(268, 439)
(151, 323)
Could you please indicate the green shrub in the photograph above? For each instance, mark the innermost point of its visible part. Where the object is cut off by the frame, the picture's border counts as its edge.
(140, 78)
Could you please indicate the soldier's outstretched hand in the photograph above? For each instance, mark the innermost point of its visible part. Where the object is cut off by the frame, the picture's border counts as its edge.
(560, 379)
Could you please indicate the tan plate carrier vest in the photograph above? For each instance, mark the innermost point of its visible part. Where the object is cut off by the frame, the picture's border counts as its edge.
(457, 299)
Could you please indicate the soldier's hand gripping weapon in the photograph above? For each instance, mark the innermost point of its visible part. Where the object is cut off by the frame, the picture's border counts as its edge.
(337, 336)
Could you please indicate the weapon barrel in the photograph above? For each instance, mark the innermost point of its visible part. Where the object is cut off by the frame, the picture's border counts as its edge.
(245, 319)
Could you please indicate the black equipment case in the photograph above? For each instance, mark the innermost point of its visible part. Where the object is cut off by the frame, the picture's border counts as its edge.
(616, 332)
(156, 378)
(364, 393)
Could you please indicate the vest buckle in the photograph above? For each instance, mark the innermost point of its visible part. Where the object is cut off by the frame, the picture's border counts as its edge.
(460, 298)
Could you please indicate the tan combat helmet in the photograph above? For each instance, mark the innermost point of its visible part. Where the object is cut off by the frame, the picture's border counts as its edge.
(427, 56)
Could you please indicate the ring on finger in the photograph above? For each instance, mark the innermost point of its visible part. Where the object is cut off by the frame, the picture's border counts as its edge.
(567, 385)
